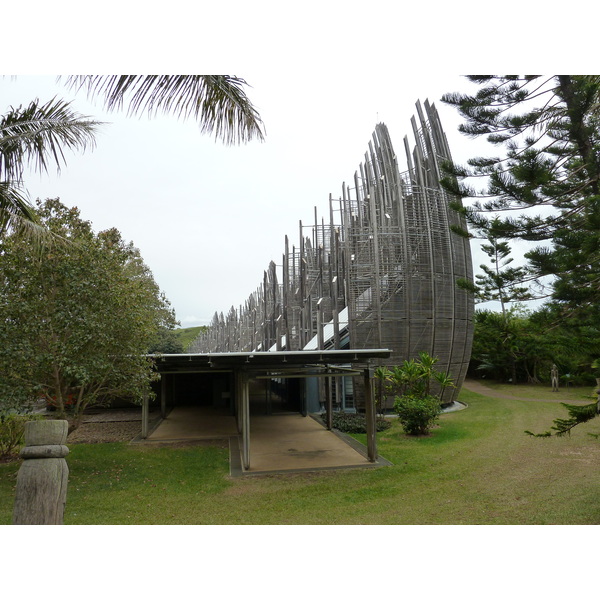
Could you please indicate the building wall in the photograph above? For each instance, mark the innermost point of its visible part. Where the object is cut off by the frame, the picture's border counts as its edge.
(380, 274)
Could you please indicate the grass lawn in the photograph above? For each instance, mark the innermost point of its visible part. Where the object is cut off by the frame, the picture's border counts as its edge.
(477, 467)
(187, 335)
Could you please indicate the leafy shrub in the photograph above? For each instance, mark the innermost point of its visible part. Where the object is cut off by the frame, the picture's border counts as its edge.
(12, 430)
(417, 414)
(355, 423)
(416, 378)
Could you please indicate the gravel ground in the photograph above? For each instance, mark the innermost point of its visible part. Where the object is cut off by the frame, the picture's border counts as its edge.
(120, 425)
(111, 431)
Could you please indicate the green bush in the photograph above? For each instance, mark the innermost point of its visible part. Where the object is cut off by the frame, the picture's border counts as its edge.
(12, 430)
(417, 414)
(355, 423)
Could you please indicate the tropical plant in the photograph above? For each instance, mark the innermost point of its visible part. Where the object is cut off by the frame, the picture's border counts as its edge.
(35, 135)
(384, 385)
(418, 377)
(38, 134)
(418, 386)
(218, 102)
(522, 346)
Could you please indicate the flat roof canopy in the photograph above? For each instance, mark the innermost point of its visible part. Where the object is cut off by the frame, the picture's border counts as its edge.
(275, 364)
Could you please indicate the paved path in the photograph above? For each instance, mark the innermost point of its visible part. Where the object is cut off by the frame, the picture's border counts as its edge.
(288, 442)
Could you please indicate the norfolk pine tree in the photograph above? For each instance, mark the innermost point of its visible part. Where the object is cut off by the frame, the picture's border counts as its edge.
(547, 180)
(499, 282)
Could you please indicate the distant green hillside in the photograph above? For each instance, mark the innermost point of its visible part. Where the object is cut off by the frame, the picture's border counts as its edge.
(188, 335)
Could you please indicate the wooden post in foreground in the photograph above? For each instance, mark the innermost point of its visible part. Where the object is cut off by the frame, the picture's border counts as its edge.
(42, 479)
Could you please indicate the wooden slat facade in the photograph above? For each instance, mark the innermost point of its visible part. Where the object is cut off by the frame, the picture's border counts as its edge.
(385, 258)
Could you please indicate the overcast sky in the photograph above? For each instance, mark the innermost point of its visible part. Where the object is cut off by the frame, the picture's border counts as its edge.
(208, 218)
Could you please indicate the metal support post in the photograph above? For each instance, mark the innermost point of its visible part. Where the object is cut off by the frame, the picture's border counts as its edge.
(370, 416)
(163, 395)
(328, 403)
(145, 415)
(245, 421)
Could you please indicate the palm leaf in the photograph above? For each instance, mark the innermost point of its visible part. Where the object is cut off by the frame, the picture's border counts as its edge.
(19, 216)
(36, 135)
(217, 102)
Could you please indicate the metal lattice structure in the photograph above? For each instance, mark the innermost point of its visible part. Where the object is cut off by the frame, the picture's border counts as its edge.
(380, 274)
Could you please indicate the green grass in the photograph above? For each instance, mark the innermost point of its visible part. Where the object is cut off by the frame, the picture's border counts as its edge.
(188, 334)
(544, 392)
(477, 467)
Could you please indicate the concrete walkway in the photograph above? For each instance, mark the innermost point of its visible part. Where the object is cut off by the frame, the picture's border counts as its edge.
(194, 423)
(278, 443)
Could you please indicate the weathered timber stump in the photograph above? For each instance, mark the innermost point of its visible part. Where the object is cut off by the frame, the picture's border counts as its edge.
(42, 479)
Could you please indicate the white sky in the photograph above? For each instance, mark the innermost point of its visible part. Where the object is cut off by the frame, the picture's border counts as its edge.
(207, 217)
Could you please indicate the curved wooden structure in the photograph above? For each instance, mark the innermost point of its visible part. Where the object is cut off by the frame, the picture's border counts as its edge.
(379, 273)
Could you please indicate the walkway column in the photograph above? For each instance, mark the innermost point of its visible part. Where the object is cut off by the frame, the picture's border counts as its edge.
(145, 419)
(370, 416)
(237, 398)
(328, 403)
(245, 410)
(163, 395)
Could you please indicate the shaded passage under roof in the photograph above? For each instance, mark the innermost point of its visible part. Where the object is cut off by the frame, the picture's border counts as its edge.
(300, 360)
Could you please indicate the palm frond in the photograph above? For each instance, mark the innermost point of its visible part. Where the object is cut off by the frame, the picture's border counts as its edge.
(218, 102)
(38, 133)
(18, 215)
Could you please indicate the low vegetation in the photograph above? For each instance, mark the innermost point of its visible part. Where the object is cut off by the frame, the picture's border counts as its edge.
(417, 387)
(477, 467)
(12, 432)
(356, 423)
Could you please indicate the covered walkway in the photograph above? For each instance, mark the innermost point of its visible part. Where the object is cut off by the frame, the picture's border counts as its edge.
(244, 367)
(279, 443)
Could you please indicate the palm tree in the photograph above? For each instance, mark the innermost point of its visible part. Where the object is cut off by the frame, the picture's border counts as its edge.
(38, 133)
(217, 102)
(35, 135)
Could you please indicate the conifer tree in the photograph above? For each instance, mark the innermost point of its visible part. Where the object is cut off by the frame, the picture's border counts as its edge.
(547, 180)
(499, 281)
(546, 185)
